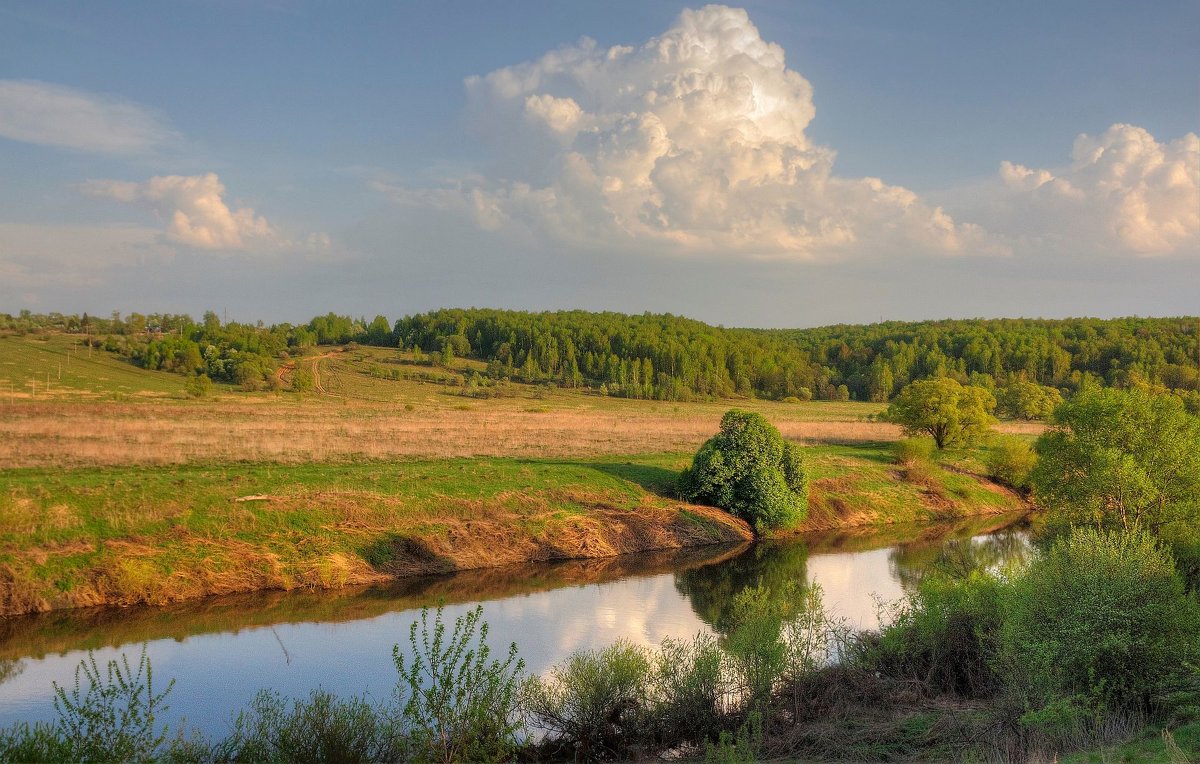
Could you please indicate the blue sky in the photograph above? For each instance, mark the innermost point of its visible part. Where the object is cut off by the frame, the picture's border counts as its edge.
(286, 158)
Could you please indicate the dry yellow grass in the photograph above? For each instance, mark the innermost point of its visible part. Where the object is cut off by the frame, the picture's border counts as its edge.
(170, 432)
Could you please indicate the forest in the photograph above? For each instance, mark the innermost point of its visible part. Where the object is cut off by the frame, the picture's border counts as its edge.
(667, 357)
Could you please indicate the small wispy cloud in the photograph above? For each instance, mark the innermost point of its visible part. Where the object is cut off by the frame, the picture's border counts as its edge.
(55, 115)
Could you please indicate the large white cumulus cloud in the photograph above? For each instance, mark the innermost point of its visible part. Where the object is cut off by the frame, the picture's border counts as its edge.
(692, 142)
(1123, 192)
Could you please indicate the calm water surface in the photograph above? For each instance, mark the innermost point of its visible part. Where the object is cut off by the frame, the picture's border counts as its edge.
(221, 651)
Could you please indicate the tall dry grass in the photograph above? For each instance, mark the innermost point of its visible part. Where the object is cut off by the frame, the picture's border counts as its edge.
(169, 432)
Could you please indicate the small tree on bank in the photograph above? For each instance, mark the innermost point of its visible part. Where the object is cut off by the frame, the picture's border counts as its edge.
(749, 470)
(950, 412)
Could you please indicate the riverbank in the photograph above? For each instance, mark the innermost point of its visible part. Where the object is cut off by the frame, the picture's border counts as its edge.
(137, 535)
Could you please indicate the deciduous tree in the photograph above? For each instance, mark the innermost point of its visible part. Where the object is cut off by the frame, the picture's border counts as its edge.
(951, 412)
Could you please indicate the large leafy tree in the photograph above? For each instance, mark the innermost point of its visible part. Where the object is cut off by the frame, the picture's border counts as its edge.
(1115, 458)
(950, 412)
(749, 470)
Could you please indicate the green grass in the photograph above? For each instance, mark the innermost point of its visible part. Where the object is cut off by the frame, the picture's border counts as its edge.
(72, 370)
(138, 534)
(129, 534)
(862, 484)
(1150, 746)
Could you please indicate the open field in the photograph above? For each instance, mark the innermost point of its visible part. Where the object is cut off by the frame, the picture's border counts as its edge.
(144, 419)
(118, 489)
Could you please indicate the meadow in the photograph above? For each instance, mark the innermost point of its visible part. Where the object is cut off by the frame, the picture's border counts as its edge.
(121, 489)
(109, 412)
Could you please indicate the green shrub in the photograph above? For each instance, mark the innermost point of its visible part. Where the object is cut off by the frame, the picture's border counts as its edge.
(1010, 460)
(199, 386)
(596, 701)
(457, 702)
(689, 689)
(302, 378)
(112, 716)
(748, 469)
(38, 742)
(739, 748)
(105, 716)
(1118, 458)
(908, 450)
(758, 657)
(1101, 621)
(945, 636)
(323, 729)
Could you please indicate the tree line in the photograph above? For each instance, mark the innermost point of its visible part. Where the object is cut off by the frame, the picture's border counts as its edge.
(667, 357)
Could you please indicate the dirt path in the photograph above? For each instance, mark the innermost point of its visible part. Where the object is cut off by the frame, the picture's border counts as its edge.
(316, 372)
(290, 366)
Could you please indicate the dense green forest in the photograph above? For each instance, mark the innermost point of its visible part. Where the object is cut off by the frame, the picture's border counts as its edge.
(668, 357)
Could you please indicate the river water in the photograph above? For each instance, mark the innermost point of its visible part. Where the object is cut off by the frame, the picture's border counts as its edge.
(223, 650)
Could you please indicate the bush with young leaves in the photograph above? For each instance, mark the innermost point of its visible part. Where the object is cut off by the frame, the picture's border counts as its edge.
(1102, 622)
(457, 703)
(596, 702)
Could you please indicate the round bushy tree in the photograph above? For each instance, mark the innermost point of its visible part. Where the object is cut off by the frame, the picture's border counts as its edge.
(1102, 618)
(952, 413)
(749, 470)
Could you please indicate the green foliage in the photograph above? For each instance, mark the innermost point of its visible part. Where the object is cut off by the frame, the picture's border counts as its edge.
(908, 450)
(739, 748)
(1021, 399)
(323, 729)
(671, 358)
(457, 702)
(1101, 621)
(302, 379)
(952, 413)
(757, 654)
(1010, 460)
(199, 386)
(1120, 459)
(689, 690)
(596, 701)
(38, 743)
(748, 469)
(944, 635)
(107, 715)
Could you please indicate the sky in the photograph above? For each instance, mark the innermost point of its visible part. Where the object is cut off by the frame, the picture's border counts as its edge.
(775, 164)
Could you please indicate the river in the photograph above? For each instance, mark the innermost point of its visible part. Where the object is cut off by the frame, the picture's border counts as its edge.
(221, 651)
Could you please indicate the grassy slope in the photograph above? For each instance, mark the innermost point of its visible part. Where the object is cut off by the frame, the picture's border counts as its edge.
(73, 372)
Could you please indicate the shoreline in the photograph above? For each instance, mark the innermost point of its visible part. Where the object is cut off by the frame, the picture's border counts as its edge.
(117, 537)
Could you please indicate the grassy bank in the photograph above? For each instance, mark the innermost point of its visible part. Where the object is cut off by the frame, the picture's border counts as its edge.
(125, 535)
